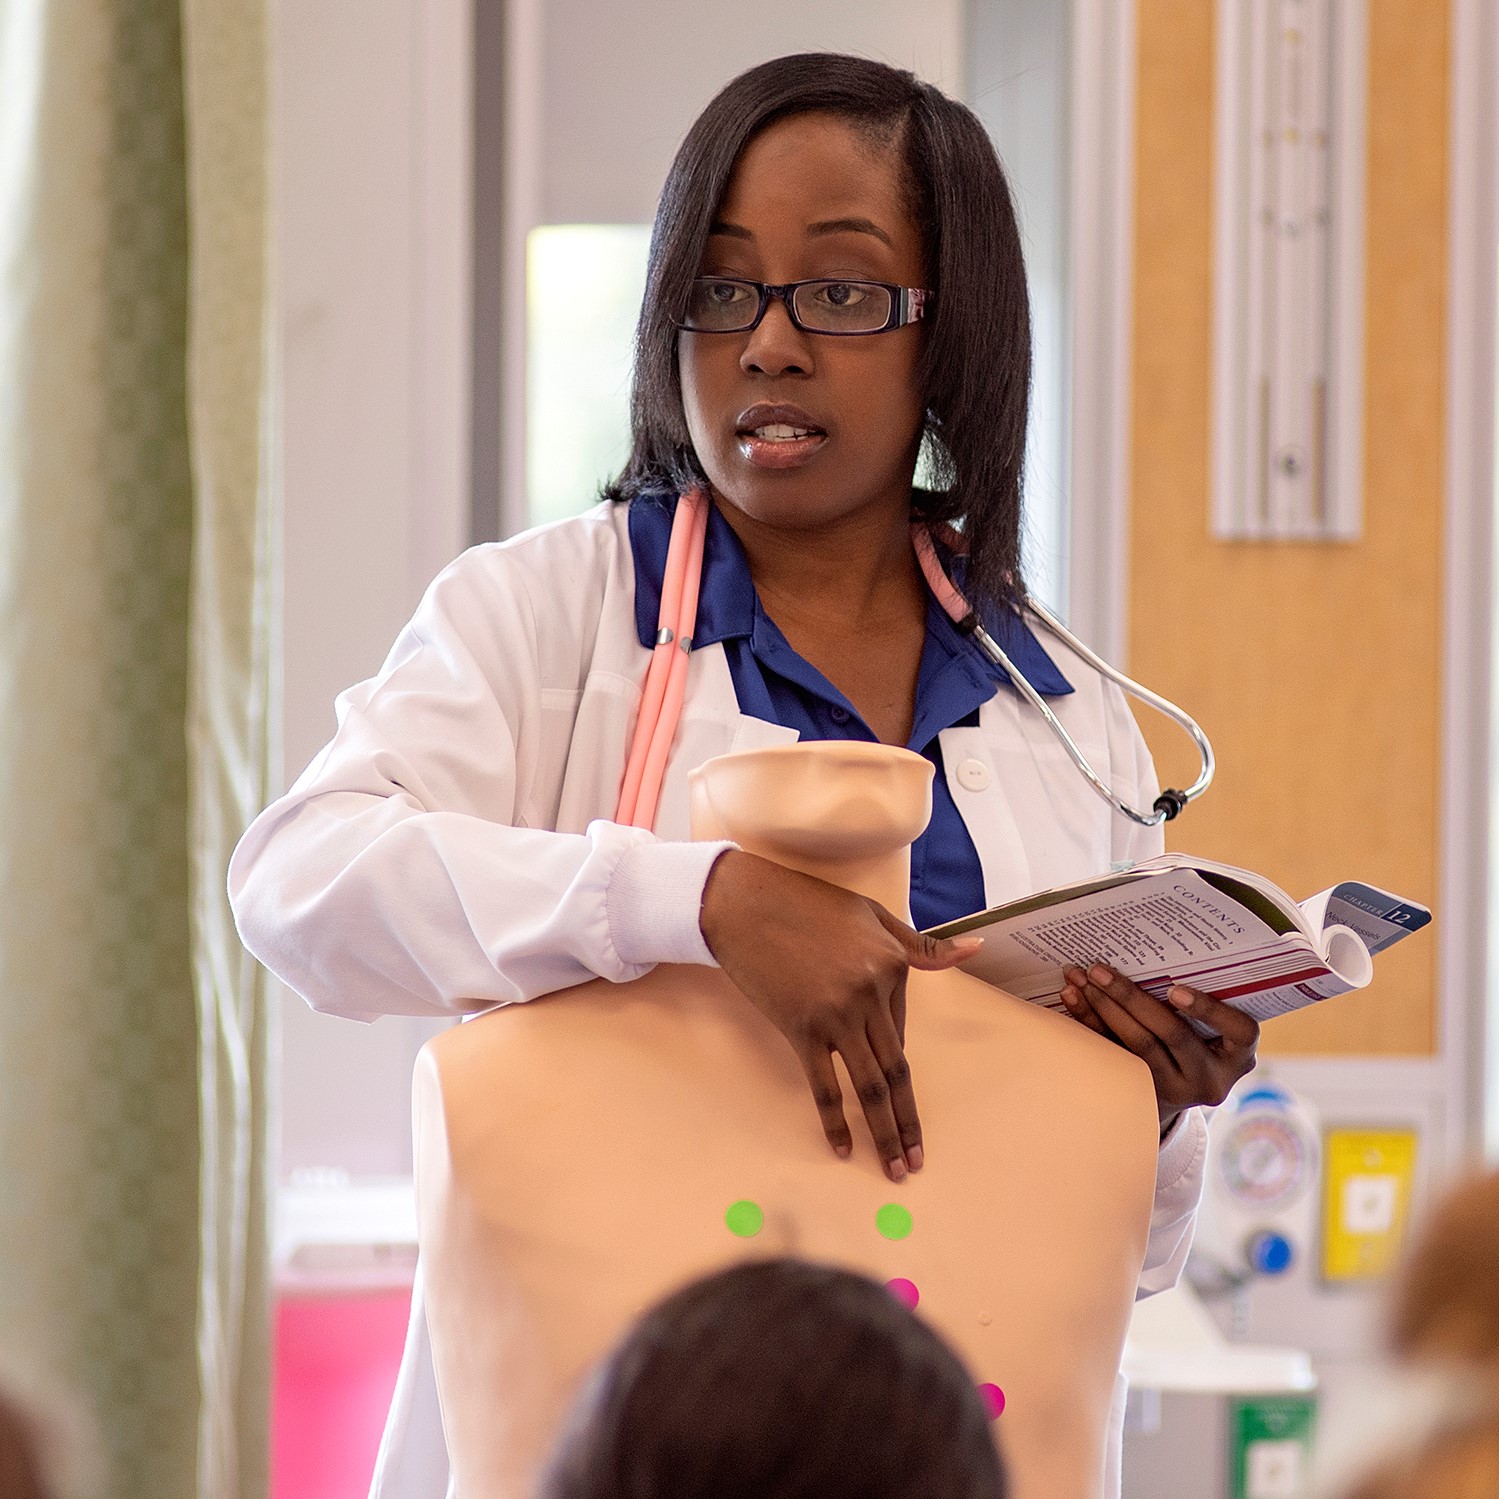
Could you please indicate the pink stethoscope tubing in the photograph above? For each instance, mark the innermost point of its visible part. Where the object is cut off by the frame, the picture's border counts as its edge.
(666, 678)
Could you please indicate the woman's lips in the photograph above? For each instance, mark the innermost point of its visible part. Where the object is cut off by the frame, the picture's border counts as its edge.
(780, 452)
(778, 435)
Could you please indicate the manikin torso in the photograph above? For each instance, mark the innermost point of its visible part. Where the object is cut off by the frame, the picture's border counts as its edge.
(577, 1158)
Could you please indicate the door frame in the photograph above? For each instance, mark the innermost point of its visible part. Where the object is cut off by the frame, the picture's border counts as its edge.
(1468, 1043)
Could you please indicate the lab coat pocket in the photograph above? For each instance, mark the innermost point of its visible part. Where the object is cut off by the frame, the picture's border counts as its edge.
(1062, 824)
(584, 738)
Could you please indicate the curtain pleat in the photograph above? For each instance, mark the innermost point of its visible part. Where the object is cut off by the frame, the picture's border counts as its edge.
(99, 1161)
(230, 420)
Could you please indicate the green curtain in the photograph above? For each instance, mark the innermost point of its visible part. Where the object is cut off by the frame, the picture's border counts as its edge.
(230, 718)
(134, 517)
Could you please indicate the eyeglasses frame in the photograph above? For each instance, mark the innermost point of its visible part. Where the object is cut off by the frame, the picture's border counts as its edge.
(908, 304)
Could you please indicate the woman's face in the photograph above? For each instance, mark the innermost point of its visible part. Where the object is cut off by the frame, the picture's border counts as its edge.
(809, 197)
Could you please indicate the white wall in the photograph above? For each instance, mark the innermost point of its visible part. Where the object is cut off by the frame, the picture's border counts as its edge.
(621, 83)
(1018, 66)
(370, 126)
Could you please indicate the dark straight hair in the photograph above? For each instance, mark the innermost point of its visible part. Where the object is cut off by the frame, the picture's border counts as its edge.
(976, 363)
(779, 1379)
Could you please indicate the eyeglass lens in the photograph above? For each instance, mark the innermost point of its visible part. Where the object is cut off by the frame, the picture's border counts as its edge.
(723, 306)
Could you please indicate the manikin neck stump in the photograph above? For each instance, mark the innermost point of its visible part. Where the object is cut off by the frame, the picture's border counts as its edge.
(841, 810)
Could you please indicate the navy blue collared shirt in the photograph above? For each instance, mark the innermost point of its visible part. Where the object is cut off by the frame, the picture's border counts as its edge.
(773, 682)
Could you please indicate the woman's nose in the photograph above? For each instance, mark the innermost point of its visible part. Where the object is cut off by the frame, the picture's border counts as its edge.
(777, 346)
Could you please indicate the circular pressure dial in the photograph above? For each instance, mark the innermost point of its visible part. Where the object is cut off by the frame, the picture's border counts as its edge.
(1265, 1160)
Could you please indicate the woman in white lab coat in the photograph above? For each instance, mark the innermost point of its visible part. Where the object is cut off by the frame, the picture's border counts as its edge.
(451, 848)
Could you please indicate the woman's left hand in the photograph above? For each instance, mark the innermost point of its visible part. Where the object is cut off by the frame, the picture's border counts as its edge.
(1187, 1069)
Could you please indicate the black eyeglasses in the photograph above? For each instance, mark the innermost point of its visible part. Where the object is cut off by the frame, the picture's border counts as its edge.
(725, 304)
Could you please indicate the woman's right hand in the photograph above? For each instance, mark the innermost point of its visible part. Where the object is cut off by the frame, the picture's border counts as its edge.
(828, 969)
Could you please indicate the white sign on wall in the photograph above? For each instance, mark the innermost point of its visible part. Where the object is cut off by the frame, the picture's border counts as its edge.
(1288, 273)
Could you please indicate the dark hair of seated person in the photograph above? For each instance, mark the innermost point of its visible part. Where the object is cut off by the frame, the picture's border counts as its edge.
(22, 1471)
(779, 1380)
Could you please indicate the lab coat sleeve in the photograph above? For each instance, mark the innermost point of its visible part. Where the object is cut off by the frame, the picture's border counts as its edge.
(1178, 1190)
(1179, 1168)
(392, 879)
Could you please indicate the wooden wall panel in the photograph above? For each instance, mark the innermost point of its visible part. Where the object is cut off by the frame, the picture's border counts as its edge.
(1315, 668)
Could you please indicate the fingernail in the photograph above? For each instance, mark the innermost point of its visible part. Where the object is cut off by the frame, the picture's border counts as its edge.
(897, 1170)
(843, 1152)
(1179, 997)
(1069, 998)
(914, 1158)
(1074, 975)
(1100, 975)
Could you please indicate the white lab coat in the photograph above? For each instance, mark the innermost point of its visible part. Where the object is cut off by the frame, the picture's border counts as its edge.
(450, 850)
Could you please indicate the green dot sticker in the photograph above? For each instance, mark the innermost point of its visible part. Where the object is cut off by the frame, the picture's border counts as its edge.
(893, 1221)
(745, 1219)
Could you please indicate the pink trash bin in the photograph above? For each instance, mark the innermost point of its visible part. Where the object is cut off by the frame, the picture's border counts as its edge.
(335, 1368)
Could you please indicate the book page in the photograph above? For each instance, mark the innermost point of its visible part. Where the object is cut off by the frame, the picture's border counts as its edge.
(1180, 920)
(1165, 928)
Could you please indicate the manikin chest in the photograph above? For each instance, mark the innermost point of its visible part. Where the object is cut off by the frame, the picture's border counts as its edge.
(582, 1155)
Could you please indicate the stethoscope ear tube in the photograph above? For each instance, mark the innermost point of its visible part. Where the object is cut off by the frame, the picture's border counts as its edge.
(1170, 802)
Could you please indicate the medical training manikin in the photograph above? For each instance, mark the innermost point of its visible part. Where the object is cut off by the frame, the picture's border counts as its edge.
(582, 1155)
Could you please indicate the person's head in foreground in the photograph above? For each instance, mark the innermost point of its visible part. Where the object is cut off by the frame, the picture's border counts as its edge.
(779, 1380)
(1459, 1464)
(1446, 1309)
(1445, 1327)
(23, 1460)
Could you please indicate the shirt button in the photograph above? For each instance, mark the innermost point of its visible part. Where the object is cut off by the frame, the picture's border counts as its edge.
(973, 775)
(838, 713)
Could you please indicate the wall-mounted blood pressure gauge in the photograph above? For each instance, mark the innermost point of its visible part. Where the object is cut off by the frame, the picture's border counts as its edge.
(1258, 1214)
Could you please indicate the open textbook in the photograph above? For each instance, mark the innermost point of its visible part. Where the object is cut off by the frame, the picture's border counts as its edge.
(1178, 919)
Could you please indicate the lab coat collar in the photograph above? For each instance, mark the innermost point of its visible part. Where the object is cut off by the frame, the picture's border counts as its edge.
(727, 604)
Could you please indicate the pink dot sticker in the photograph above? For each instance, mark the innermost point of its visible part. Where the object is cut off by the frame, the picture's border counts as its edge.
(993, 1398)
(904, 1291)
